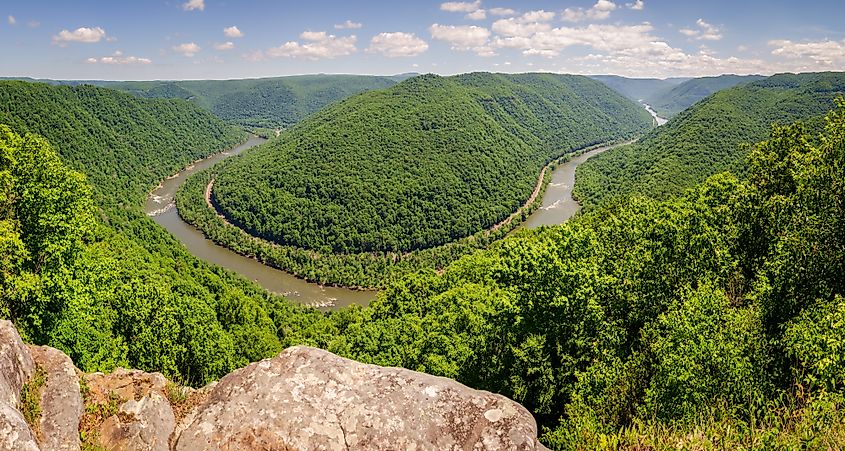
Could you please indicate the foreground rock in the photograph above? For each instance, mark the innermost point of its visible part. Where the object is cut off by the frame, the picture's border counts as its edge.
(144, 419)
(16, 367)
(303, 399)
(307, 398)
(61, 401)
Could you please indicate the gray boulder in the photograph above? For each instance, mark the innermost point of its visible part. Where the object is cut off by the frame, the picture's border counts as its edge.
(309, 399)
(61, 402)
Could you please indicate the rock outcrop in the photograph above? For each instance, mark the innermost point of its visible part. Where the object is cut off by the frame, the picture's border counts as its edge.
(302, 399)
(61, 400)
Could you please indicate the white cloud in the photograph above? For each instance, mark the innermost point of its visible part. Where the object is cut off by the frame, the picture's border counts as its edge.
(317, 45)
(81, 34)
(825, 54)
(118, 58)
(461, 7)
(349, 25)
(192, 5)
(600, 11)
(478, 14)
(33, 24)
(638, 5)
(11, 20)
(233, 32)
(501, 12)
(188, 49)
(228, 45)
(397, 44)
(525, 25)
(464, 37)
(705, 31)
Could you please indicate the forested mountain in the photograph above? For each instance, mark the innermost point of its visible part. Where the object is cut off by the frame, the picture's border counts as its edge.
(671, 101)
(94, 276)
(707, 138)
(428, 161)
(276, 102)
(711, 320)
(125, 145)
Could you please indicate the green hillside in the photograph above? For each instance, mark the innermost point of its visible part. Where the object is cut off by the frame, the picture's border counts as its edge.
(262, 102)
(671, 101)
(707, 138)
(415, 166)
(94, 276)
(125, 145)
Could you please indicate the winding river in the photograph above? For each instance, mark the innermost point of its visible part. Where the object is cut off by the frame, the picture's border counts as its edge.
(557, 207)
(161, 207)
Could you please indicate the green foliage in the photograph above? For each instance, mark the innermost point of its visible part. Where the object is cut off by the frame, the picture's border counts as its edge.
(706, 354)
(123, 144)
(108, 286)
(30, 400)
(708, 138)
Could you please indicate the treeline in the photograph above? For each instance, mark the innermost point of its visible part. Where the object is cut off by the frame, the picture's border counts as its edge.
(414, 167)
(710, 137)
(669, 102)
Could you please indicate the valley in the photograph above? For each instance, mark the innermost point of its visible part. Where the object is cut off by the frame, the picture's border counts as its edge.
(441, 225)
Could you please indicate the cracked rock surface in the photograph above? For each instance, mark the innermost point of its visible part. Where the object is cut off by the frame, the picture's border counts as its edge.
(310, 399)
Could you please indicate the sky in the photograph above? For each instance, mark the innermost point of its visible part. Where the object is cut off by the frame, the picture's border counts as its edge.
(220, 39)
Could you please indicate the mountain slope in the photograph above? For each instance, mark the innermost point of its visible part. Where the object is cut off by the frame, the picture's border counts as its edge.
(706, 139)
(124, 145)
(423, 163)
(669, 102)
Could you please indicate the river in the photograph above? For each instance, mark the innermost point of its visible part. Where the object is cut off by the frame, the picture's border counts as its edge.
(160, 206)
(557, 207)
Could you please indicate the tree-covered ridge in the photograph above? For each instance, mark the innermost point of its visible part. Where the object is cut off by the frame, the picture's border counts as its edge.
(707, 138)
(124, 144)
(277, 102)
(414, 166)
(669, 102)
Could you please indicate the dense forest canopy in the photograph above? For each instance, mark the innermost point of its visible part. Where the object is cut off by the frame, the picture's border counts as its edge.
(423, 163)
(125, 145)
(708, 138)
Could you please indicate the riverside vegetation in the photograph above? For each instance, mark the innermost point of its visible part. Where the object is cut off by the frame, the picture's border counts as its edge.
(404, 178)
(711, 319)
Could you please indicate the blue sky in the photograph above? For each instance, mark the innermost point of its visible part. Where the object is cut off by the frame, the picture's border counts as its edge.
(196, 39)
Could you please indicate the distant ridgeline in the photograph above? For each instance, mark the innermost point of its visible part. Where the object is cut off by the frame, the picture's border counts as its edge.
(670, 96)
(345, 194)
(707, 138)
(261, 103)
